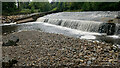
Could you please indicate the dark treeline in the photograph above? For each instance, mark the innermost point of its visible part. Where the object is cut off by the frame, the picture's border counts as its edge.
(8, 6)
(60, 6)
(87, 6)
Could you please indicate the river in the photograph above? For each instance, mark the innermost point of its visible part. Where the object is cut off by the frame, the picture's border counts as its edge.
(83, 25)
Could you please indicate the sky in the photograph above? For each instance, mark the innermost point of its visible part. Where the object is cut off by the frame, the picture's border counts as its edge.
(50, 1)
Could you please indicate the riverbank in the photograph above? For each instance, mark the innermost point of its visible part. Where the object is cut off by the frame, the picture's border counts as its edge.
(23, 18)
(12, 18)
(47, 49)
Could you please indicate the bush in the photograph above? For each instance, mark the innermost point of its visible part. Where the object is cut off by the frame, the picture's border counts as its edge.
(32, 10)
(39, 10)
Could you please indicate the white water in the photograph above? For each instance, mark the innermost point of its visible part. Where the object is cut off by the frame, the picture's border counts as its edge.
(90, 26)
(7, 24)
(46, 27)
(90, 16)
(84, 21)
(82, 25)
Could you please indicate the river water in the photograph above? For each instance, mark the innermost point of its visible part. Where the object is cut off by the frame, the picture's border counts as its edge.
(83, 25)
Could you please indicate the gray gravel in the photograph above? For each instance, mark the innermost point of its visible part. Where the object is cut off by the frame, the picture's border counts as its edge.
(47, 49)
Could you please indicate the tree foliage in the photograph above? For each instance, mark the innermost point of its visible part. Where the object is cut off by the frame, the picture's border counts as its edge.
(88, 6)
(8, 6)
(41, 6)
(60, 6)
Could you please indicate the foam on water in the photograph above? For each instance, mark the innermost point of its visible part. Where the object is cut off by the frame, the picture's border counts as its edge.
(114, 36)
(84, 21)
(60, 30)
(88, 37)
(8, 24)
(83, 25)
(90, 26)
(92, 16)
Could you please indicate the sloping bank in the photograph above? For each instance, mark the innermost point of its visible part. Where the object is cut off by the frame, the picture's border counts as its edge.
(47, 49)
(25, 18)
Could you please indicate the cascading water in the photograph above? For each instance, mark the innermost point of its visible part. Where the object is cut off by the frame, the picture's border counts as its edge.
(84, 25)
(91, 22)
(90, 26)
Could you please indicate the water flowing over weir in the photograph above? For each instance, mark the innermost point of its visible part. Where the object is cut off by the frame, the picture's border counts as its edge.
(90, 26)
(95, 22)
(83, 25)
(85, 21)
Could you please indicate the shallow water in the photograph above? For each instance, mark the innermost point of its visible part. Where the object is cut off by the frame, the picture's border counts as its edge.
(89, 16)
(78, 33)
(46, 27)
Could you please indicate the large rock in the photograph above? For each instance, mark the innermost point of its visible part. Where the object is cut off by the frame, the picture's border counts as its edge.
(117, 17)
(9, 64)
(11, 41)
(108, 28)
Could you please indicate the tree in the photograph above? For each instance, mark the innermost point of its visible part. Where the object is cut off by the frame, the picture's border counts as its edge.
(8, 6)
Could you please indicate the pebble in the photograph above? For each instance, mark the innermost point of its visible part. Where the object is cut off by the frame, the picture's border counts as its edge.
(93, 58)
(55, 53)
(89, 62)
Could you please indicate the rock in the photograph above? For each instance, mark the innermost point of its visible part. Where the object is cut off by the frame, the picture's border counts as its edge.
(111, 29)
(110, 60)
(11, 41)
(93, 58)
(117, 17)
(108, 28)
(57, 53)
(14, 39)
(89, 62)
(81, 60)
(9, 64)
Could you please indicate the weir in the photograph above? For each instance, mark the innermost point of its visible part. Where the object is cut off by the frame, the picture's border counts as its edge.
(89, 26)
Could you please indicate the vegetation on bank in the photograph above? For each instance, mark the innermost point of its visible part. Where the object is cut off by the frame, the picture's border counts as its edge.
(10, 8)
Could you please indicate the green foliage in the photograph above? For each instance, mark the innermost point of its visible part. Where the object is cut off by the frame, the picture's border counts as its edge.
(87, 6)
(54, 9)
(8, 6)
(32, 9)
(101, 6)
(39, 10)
(41, 6)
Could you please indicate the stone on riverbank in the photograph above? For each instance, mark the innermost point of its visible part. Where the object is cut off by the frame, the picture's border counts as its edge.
(48, 49)
(11, 41)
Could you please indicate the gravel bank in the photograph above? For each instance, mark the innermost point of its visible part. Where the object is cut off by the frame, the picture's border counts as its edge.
(11, 19)
(45, 49)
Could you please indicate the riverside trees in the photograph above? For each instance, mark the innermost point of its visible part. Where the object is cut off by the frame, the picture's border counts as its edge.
(60, 6)
(87, 6)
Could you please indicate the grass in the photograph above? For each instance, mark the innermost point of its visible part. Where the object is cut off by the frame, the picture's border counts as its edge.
(54, 9)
